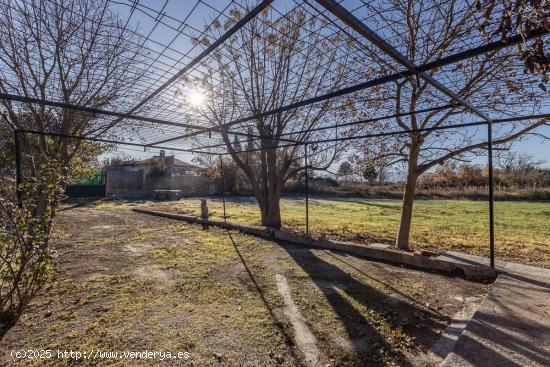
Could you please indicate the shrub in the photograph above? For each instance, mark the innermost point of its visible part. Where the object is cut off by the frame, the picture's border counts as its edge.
(25, 258)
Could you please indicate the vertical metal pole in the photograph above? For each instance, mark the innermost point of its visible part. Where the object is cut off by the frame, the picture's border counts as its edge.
(223, 188)
(491, 194)
(307, 191)
(18, 176)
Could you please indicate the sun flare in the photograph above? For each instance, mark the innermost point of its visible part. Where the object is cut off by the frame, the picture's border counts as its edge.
(196, 98)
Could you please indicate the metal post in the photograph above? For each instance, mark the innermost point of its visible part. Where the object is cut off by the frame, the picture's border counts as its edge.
(491, 194)
(18, 176)
(307, 191)
(223, 188)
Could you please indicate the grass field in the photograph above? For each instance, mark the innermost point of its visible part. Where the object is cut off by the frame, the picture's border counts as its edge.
(522, 228)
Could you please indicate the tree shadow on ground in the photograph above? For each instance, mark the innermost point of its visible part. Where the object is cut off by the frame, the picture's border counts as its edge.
(506, 328)
(489, 357)
(385, 284)
(510, 329)
(488, 335)
(280, 328)
(339, 288)
(515, 320)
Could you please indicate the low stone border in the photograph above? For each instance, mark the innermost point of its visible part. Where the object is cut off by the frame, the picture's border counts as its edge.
(375, 251)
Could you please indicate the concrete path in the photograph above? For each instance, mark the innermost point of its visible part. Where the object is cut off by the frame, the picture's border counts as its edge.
(512, 325)
(304, 338)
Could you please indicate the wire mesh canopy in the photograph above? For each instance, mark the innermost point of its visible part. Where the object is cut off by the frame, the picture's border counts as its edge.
(185, 52)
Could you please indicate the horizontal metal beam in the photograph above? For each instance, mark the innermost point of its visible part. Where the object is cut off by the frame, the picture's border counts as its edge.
(108, 141)
(448, 60)
(401, 132)
(431, 109)
(365, 121)
(359, 122)
(93, 110)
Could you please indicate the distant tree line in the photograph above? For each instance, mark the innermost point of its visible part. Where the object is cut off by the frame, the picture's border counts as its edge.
(468, 175)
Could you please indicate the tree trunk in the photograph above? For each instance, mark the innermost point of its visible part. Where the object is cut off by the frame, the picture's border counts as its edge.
(270, 207)
(272, 185)
(406, 212)
(271, 214)
(403, 234)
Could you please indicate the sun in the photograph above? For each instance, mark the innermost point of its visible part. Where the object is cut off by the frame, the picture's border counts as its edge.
(196, 97)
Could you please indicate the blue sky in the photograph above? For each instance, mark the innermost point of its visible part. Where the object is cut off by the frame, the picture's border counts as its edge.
(535, 146)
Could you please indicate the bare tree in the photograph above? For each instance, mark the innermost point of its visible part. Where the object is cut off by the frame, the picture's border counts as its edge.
(492, 82)
(270, 63)
(518, 169)
(72, 51)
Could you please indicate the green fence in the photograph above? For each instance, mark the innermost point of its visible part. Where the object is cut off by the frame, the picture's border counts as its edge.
(93, 179)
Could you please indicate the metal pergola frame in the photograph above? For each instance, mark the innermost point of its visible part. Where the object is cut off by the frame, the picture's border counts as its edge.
(361, 28)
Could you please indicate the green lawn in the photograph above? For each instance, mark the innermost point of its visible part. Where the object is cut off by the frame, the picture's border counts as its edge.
(522, 228)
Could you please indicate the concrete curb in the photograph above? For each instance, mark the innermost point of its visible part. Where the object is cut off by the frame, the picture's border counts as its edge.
(375, 252)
